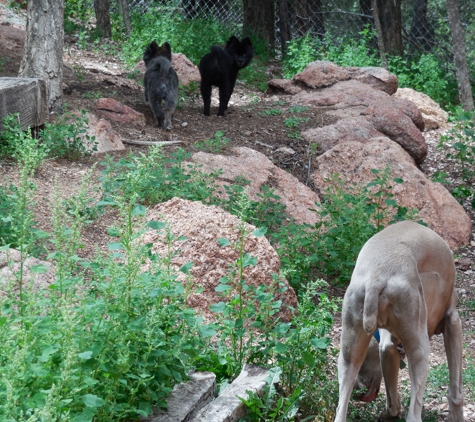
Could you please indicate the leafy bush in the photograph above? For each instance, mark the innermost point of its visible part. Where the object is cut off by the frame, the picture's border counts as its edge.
(460, 145)
(425, 74)
(161, 179)
(343, 52)
(214, 145)
(348, 218)
(67, 137)
(192, 37)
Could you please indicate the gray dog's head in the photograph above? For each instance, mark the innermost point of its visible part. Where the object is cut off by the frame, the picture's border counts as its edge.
(368, 381)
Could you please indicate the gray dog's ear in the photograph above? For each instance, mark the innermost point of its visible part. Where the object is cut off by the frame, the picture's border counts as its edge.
(166, 51)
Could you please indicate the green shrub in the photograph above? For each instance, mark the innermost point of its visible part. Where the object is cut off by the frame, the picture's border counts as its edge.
(343, 52)
(67, 137)
(459, 143)
(348, 217)
(425, 74)
(215, 145)
(161, 179)
(192, 37)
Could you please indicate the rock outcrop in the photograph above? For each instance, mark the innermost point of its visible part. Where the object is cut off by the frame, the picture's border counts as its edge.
(260, 171)
(113, 110)
(434, 116)
(437, 207)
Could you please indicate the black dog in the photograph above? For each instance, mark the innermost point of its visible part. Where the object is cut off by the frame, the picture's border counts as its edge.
(220, 68)
(160, 83)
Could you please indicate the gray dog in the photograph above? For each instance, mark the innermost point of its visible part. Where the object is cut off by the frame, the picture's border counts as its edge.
(160, 83)
(403, 284)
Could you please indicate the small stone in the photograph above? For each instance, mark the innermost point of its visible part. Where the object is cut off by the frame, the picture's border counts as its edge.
(184, 124)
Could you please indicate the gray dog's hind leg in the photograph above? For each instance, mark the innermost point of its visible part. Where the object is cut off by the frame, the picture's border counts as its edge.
(453, 347)
(390, 367)
(417, 350)
(354, 346)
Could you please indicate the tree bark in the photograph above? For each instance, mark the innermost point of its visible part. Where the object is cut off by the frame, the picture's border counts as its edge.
(284, 24)
(259, 21)
(126, 15)
(391, 26)
(103, 20)
(422, 35)
(460, 56)
(377, 24)
(43, 51)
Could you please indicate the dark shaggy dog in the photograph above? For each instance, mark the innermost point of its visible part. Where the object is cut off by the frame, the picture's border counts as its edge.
(220, 68)
(160, 83)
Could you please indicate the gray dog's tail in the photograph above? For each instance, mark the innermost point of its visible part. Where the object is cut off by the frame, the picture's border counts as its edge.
(370, 309)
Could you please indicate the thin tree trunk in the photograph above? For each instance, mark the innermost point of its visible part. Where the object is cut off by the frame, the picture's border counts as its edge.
(259, 21)
(43, 51)
(391, 26)
(285, 32)
(379, 31)
(103, 20)
(126, 14)
(460, 57)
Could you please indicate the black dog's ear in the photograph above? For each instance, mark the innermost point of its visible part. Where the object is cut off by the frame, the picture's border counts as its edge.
(166, 51)
(247, 41)
(232, 40)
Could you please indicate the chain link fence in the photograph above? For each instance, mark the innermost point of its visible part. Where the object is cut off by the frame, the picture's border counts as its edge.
(424, 22)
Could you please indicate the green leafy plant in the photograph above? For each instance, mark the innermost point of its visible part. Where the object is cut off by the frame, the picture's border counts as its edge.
(293, 122)
(67, 138)
(215, 145)
(348, 217)
(459, 143)
(104, 344)
(92, 95)
(425, 74)
(273, 112)
(163, 178)
(298, 109)
(343, 52)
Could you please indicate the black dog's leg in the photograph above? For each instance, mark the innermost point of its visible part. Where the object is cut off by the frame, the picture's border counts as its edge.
(225, 92)
(205, 88)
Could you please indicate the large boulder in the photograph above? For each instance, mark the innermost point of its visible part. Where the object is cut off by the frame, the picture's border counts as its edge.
(322, 74)
(101, 130)
(434, 116)
(355, 102)
(259, 170)
(113, 110)
(437, 207)
(202, 226)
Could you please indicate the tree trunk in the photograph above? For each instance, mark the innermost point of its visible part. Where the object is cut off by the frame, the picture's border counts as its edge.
(43, 51)
(377, 24)
(422, 35)
(284, 24)
(103, 20)
(460, 57)
(391, 26)
(126, 14)
(309, 18)
(259, 21)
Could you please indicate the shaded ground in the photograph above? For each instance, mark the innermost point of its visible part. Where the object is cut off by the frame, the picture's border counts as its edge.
(254, 120)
